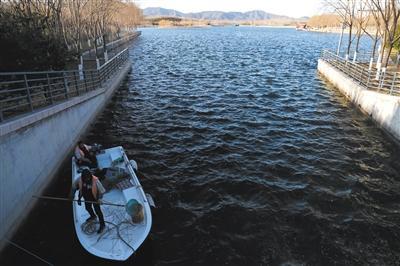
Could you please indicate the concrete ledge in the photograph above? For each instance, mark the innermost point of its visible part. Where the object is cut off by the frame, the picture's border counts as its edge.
(383, 108)
(26, 120)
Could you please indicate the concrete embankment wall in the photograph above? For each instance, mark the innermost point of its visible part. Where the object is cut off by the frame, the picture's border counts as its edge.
(33, 147)
(384, 109)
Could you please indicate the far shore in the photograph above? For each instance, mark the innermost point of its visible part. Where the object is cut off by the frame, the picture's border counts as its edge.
(174, 22)
(337, 30)
(210, 26)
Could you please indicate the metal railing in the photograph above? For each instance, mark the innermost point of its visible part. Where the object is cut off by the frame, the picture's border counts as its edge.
(25, 92)
(113, 46)
(382, 81)
(361, 57)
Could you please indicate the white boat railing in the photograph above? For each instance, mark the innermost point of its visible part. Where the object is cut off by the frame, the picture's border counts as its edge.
(134, 177)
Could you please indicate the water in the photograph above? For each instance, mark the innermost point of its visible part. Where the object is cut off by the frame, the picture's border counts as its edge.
(251, 157)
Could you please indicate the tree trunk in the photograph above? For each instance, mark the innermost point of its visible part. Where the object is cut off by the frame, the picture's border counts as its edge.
(349, 42)
(375, 43)
(389, 51)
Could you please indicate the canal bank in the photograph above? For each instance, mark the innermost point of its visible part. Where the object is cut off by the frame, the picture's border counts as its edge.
(384, 109)
(34, 145)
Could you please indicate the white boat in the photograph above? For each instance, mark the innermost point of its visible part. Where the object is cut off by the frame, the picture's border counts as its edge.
(121, 237)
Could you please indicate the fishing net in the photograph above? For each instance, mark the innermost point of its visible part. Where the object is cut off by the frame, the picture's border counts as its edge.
(123, 226)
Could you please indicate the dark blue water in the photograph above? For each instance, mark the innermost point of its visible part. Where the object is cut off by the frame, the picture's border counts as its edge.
(252, 158)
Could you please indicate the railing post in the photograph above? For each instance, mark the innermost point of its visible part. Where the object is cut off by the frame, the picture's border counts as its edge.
(382, 79)
(76, 84)
(28, 93)
(93, 84)
(394, 79)
(49, 89)
(65, 85)
(99, 78)
(84, 79)
(1, 116)
(369, 78)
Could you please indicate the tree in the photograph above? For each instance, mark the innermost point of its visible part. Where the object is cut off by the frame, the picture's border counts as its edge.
(347, 10)
(30, 35)
(46, 34)
(386, 15)
(361, 22)
(74, 16)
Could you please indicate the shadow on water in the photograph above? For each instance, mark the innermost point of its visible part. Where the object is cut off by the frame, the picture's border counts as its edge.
(251, 158)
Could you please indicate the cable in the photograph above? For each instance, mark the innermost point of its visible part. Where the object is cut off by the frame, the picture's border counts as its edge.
(27, 251)
(89, 228)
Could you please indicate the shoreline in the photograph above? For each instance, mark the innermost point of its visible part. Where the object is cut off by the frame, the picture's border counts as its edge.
(215, 26)
(336, 30)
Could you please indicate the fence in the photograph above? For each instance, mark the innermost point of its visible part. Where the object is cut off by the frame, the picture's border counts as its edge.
(372, 79)
(362, 56)
(25, 92)
(113, 46)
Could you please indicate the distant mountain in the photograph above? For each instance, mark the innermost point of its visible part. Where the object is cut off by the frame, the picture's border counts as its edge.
(161, 12)
(212, 15)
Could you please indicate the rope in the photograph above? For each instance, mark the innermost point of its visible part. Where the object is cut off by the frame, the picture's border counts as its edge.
(119, 235)
(72, 200)
(30, 253)
(89, 228)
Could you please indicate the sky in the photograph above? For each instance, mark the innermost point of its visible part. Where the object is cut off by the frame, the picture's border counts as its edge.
(293, 8)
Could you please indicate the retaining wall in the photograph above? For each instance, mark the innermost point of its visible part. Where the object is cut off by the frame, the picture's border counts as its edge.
(33, 147)
(384, 109)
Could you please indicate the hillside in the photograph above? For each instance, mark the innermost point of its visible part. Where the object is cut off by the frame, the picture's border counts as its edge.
(161, 12)
(214, 15)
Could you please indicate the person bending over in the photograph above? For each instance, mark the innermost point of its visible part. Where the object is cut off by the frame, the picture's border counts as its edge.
(83, 155)
(88, 189)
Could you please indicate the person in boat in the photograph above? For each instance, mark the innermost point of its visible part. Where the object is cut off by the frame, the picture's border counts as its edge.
(83, 155)
(89, 191)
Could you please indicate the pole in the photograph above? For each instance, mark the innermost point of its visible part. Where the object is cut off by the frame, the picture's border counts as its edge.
(28, 252)
(72, 200)
(340, 40)
(28, 93)
(379, 62)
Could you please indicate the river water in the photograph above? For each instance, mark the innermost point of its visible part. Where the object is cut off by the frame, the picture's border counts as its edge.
(251, 157)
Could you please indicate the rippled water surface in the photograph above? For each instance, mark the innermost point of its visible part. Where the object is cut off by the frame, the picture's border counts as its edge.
(252, 158)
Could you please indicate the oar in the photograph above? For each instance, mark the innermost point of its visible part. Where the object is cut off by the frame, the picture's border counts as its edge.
(72, 200)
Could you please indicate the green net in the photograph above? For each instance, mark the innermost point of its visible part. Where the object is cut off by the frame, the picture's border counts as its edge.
(135, 210)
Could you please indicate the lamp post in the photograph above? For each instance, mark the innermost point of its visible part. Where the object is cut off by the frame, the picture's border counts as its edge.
(340, 40)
